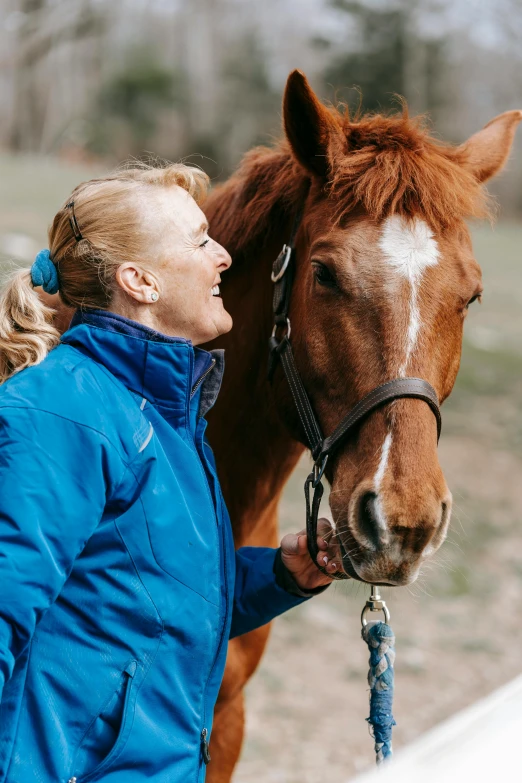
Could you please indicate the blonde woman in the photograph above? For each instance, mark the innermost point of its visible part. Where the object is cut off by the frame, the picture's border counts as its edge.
(119, 582)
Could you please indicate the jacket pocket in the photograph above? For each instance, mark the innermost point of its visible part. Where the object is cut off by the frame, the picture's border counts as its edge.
(181, 519)
(107, 733)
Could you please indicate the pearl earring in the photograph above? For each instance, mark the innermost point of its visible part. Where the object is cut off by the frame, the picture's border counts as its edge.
(154, 296)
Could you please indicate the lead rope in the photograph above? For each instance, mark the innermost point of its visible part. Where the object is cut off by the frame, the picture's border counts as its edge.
(381, 643)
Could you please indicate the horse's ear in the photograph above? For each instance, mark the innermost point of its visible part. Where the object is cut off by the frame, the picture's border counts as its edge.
(309, 126)
(487, 151)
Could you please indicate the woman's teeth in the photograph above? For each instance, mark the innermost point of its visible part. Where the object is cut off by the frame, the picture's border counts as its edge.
(215, 290)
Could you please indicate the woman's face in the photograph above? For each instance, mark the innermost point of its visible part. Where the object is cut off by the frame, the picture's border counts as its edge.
(183, 265)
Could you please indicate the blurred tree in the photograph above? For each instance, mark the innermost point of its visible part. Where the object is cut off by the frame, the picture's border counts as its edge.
(436, 96)
(129, 105)
(250, 105)
(377, 67)
(232, 104)
(42, 30)
(388, 56)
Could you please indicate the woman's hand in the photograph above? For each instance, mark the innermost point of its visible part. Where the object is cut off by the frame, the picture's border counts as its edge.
(294, 554)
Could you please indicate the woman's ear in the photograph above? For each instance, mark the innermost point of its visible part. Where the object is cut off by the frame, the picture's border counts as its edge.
(486, 152)
(136, 282)
(309, 126)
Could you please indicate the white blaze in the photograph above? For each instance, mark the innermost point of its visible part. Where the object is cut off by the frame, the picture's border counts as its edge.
(409, 248)
(383, 462)
(377, 480)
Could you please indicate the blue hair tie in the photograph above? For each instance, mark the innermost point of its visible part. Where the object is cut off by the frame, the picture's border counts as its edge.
(44, 273)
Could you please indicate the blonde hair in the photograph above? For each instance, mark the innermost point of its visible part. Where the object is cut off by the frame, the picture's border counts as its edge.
(107, 212)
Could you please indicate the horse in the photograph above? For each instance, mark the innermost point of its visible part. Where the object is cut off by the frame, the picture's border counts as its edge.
(384, 277)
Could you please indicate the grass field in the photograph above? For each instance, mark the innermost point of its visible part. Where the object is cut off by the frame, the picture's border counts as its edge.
(308, 701)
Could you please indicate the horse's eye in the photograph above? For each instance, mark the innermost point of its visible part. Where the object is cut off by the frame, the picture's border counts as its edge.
(322, 274)
(476, 298)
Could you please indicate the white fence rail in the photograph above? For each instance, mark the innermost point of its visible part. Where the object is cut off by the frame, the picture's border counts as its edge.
(481, 744)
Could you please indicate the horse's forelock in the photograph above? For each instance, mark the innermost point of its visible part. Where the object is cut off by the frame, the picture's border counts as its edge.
(386, 165)
(392, 165)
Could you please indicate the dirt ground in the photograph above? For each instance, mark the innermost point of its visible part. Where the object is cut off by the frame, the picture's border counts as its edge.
(458, 631)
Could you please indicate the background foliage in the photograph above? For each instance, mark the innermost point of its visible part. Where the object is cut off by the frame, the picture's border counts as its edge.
(89, 79)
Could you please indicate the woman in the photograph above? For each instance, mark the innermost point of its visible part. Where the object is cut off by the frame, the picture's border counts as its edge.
(119, 581)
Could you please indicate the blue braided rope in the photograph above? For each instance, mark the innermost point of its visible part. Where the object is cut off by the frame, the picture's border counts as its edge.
(381, 643)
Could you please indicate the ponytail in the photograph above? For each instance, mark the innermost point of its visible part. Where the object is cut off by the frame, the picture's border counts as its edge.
(98, 227)
(26, 331)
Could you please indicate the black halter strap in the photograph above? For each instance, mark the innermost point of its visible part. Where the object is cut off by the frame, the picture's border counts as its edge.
(283, 272)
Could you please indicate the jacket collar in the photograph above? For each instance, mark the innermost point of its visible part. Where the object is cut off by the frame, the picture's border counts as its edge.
(167, 370)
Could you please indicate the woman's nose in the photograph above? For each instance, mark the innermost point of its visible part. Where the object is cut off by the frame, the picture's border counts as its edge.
(224, 258)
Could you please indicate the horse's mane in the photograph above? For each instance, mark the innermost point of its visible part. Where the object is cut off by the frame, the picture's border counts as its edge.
(381, 164)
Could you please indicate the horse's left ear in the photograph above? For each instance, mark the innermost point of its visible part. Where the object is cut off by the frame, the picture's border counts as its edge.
(309, 126)
(487, 151)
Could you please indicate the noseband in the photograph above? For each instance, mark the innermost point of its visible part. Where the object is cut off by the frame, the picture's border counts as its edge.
(283, 272)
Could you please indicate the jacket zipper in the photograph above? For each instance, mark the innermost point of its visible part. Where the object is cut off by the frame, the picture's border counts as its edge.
(200, 381)
(204, 746)
(204, 732)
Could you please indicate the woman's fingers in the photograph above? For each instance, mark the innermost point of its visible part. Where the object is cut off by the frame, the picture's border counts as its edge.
(294, 543)
(328, 557)
(324, 528)
(331, 563)
(326, 538)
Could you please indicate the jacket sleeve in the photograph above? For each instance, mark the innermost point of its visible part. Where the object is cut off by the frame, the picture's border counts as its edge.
(53, 487)
(264, 589)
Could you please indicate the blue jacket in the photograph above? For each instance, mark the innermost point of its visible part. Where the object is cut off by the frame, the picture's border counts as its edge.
(119, 584)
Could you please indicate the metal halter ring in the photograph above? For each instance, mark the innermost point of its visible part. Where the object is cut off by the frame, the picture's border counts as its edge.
(288, 328)
(375, 604)
(318, 471)
(367, 609)
(287, 251)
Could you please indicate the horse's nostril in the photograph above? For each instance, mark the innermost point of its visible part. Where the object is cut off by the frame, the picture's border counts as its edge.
(368, 519)
(444, 513)
(440, 530)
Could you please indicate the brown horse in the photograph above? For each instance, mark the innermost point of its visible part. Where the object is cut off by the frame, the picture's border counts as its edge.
(385, 275)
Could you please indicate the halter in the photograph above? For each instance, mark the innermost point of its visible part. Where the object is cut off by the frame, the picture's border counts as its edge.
(280, 349)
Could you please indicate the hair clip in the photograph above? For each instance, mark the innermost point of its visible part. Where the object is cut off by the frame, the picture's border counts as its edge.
(74, 223)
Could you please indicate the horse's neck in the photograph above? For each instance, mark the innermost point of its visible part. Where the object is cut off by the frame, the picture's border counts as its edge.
(254, 452)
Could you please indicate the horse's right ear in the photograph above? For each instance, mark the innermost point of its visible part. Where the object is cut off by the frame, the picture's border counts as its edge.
(486, 152)
(309, 126)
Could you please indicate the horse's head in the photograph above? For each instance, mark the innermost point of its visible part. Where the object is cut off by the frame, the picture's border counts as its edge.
(385, 276)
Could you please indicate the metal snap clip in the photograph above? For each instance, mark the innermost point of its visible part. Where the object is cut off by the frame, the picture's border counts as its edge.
(375, 604)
